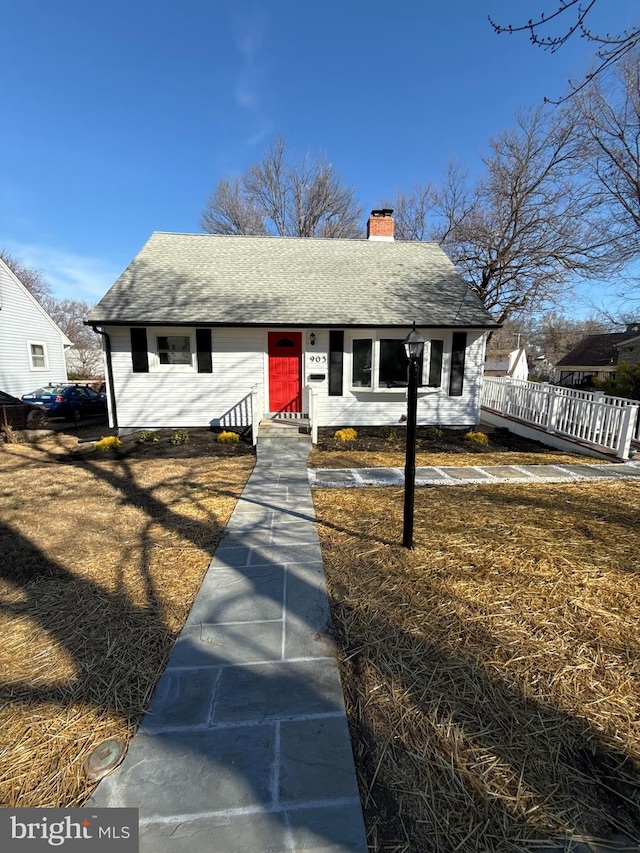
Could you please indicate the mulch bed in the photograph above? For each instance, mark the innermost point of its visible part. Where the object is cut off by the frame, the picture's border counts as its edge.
(428, 440)
(201, 443)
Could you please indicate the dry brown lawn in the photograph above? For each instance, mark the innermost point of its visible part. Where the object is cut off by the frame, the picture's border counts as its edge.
(492, 675)
(101, 560)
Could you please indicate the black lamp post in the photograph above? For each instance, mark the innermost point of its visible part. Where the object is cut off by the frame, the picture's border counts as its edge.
(413, 345)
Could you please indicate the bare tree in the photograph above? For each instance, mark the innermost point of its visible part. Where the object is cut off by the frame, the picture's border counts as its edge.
(229, 210)
(523, 231)
(572, 16)
(608, 120)
(86, 358)
(295, 198)
(33, 279)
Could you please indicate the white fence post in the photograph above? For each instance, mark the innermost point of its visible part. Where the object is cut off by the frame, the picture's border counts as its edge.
(256, 413)
(506, 399)
(312, 415)
(627, 424)
(552, 410)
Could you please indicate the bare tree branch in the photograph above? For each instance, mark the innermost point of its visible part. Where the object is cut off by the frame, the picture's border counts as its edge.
(523, 231)
(611, 48)
(287, 198)
(33, 279)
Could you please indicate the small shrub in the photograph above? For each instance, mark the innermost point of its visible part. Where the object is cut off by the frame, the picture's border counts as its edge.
(180, 436)
(389, 433)
(107, 442)
(227, 437)
(478, 438)
(433, 433)
(147, 436)
(346, 434)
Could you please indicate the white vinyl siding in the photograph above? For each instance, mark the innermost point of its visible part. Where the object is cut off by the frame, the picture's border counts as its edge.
(185, 398)
(379, 407)
(24, 322)
(179, 396)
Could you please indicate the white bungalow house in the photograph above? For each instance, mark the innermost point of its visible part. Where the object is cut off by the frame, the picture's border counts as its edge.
(32, 347)
(223, 330)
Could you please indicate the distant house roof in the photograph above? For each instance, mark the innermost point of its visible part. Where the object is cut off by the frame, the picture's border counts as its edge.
(237, 280)
(596, 350)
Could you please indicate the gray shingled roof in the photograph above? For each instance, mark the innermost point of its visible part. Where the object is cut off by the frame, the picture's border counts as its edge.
(595, 351)
(231, 280)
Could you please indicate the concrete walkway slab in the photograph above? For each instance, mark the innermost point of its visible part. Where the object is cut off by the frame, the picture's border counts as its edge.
(330, 478)
(245, 747)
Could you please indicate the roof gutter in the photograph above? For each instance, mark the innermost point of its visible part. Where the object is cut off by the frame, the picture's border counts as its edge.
(107, 350)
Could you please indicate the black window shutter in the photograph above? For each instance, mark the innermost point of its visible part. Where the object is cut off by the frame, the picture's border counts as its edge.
(336, 359)
(139, 351)
(456, 378)
(435, 364)
(203, 346)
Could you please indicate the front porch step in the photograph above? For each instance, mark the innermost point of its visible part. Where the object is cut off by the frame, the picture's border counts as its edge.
(285, 416)
(283, 427)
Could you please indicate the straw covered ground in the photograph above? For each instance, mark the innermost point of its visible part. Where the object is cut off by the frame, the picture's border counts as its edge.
(101, 560)
(492, 675)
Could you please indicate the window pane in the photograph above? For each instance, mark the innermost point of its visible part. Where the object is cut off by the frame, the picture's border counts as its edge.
(393, 364)
(37, 355)
(361, 377)
(435, 364)
(174, 349)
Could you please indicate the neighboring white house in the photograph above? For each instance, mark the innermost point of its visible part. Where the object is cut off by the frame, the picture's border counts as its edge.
(505, 363)
(32, 347)
(201, 329)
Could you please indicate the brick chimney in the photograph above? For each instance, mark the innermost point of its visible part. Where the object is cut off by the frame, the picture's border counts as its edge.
(380, 225)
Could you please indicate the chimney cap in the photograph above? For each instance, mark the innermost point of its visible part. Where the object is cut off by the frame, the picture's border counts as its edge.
(385, 211)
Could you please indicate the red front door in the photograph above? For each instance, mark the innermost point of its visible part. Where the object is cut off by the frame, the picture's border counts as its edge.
(285, 371)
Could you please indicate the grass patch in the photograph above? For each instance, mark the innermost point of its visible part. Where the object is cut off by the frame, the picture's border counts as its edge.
(101, 561)
(492, 675)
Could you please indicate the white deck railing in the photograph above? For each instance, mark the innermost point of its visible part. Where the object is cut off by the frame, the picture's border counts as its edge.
(592, 417)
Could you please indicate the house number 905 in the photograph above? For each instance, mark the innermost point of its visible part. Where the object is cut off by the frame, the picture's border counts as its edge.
(318, 359)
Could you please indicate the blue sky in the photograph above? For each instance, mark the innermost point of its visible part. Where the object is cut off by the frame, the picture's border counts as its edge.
(119, 117)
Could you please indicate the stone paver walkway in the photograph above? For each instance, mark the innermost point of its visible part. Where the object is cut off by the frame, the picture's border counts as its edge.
(451, 476)
(245, 748)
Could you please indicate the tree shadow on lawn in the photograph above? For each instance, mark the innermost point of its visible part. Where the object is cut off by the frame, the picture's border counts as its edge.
(465, 761)
(455, 750)
(108, 640)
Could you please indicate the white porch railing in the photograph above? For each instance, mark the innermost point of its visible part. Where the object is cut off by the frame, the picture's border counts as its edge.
(313, 415)
(592, 417)
(257, 412)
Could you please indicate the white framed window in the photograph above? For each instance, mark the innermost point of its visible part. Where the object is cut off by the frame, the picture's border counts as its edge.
(379, 362)
(174, 349)
(38, 358)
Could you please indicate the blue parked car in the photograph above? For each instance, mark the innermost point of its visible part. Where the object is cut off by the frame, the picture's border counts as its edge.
(72, 402)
